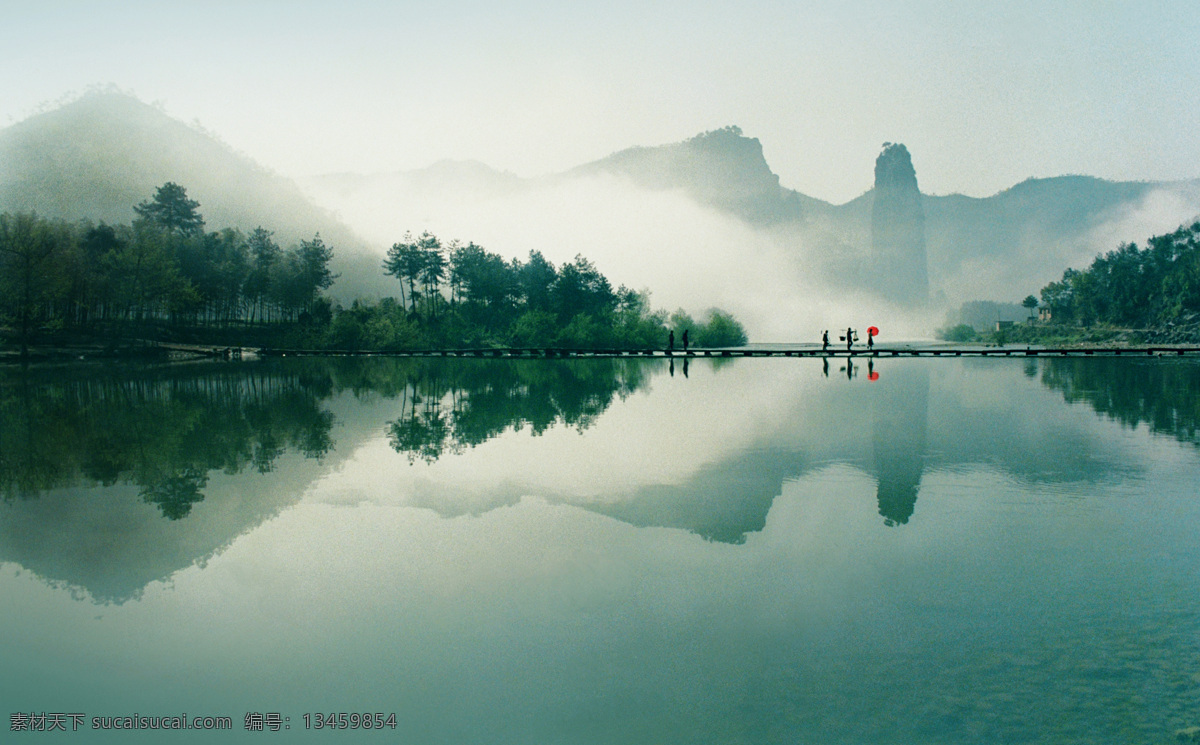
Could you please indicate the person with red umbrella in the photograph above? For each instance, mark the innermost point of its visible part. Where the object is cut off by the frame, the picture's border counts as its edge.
(872, 332)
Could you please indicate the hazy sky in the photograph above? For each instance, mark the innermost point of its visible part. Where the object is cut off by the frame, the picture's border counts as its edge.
(984, 94)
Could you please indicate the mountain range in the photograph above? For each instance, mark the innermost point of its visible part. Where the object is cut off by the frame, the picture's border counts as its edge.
(101, 154)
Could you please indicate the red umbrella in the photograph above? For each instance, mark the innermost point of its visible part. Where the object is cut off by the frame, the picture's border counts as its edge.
(873, 330)
(873, 375)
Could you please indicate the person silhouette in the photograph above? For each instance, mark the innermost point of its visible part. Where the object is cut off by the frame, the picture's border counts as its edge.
(685, 341)
(870, 339)
(670, 341)
(825, 340)
(849, 339)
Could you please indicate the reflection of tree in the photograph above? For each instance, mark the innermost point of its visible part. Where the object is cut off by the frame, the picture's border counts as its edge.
(162, 428)
(166, 429)
(452, 405)
(421, 432)
(177, 492)
(1163, 393)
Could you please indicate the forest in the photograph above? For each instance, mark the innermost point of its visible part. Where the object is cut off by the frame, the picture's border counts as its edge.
(1128, 294)
(1133, 287)
(163, 277)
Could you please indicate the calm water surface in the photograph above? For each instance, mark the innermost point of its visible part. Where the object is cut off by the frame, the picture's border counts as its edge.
(600, 551)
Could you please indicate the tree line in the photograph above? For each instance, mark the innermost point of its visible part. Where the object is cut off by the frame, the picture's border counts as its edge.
(1133, 287)
(163, 275)
(464, 295)
(162, 269)
(1149, 289)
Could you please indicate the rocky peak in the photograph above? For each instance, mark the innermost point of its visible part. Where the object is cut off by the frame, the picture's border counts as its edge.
(898, 229)
(894, 168)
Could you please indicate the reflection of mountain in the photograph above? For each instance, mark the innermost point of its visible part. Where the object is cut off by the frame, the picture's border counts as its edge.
(92, 460)
(725, 501)
(916, 424)
(721, 502)
(1163, 394)
(898, 441)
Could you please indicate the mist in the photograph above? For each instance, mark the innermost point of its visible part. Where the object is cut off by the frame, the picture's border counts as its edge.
(687, 255)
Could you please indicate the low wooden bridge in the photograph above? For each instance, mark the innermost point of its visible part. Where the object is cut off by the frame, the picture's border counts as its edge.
(773, 351)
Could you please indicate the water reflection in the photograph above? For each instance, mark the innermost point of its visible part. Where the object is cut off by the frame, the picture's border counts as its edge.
(92, 460)
(1162, 393)
(165, 429)
(899, 443)
(451, 405)
(161, 429)
(332, 581)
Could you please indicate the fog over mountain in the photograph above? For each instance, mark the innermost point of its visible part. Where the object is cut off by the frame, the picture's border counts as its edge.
(703, 222)
(98, 156)
(707, 221)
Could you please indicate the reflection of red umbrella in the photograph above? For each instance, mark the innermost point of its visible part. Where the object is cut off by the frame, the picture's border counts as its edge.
(873, 376)
(873, 330)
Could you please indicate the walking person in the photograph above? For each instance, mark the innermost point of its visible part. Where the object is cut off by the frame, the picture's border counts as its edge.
(685, 341)
(849, 339)
(670, 341)
(870, 339)
(825, 340)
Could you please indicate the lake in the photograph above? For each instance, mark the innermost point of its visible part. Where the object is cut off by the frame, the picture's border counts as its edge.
(603, 551)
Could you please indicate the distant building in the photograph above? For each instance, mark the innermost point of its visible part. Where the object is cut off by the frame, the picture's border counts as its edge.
(1001, 325)
(1044, 314)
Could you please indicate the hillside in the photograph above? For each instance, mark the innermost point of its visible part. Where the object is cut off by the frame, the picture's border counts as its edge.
(97, 157)
(722, 169)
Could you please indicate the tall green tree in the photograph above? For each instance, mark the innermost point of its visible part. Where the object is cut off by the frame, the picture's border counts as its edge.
(404, 262)
(172, 211)
(537, 277)
(264, 256)
(581, 288)
(316, 275)
(432, 271)
(1029, 303)
(145, 275)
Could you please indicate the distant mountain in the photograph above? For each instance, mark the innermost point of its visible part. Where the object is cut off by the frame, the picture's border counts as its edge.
(100, 155)
(722, 168)
(947, 249)
(97, 157)
(974, 247)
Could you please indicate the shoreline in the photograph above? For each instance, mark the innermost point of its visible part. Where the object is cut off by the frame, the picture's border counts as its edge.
(168, 353)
